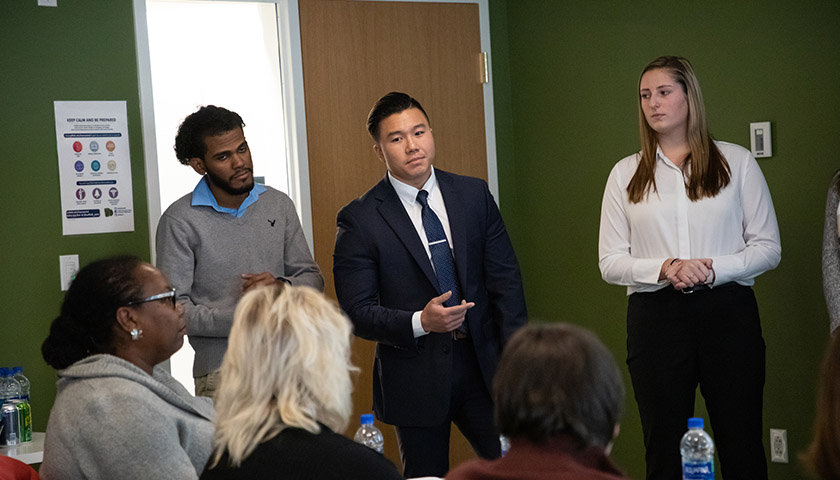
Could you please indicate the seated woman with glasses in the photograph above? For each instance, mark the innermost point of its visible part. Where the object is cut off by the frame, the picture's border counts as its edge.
(116, 415)
(284, 395)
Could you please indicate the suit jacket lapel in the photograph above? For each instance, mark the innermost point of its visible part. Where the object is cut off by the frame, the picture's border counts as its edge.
(455, 209)
(393, 212)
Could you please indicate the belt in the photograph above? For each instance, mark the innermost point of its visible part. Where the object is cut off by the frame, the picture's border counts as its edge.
(459, 335)
(705, 286)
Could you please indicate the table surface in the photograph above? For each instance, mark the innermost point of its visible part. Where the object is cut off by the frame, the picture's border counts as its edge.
(29, 452)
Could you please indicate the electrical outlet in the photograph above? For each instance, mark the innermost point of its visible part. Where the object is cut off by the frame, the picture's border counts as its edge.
(778, 445)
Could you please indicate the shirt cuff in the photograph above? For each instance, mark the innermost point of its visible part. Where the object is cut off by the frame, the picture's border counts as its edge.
(727, 268)
(645, 271)
(417, 326)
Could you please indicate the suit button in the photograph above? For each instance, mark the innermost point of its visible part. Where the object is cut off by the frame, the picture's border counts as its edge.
(445, 348)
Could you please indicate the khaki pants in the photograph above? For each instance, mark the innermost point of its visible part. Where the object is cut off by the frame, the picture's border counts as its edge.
(206, 385)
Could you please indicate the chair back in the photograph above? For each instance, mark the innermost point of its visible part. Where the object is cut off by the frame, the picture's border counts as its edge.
(14, 469)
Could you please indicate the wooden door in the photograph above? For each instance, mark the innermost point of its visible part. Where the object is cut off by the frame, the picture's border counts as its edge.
(353, 53)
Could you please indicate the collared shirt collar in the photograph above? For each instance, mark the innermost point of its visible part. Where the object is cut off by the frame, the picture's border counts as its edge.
(407, 193)
(202, 196)
(660, 156)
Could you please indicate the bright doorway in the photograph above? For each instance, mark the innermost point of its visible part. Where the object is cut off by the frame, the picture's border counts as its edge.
(224, 53)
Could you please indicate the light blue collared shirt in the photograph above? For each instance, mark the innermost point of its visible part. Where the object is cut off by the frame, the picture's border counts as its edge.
(202, 196)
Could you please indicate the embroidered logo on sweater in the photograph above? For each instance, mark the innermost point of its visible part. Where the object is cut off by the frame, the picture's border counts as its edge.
(271, 221)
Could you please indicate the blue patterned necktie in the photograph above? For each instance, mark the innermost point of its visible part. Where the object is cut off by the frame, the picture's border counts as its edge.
(441, 254)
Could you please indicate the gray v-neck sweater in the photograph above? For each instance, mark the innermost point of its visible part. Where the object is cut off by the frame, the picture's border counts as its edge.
(204, 252)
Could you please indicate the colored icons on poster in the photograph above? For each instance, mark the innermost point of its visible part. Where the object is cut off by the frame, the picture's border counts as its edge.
(80, 194)
(94, 146)
(95, 165)
(97, 193)
(113, 192)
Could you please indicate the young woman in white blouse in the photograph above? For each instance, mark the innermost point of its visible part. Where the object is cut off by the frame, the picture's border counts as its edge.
(687, 224)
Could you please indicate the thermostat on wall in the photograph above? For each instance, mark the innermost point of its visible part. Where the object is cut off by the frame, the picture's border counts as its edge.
(760, 143)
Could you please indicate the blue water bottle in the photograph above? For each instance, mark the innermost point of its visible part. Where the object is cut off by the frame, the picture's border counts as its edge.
(698, 452)
(368, 435)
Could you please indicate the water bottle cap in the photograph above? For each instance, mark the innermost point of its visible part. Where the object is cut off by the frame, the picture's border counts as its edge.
(367, 419)
(695, 422)
(4, 372)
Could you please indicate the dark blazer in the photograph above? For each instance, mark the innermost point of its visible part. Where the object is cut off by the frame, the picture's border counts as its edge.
(383, 275)
(298, 454)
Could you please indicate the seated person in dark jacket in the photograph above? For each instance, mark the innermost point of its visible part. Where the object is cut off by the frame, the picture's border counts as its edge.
(284, 395)
(558, 396)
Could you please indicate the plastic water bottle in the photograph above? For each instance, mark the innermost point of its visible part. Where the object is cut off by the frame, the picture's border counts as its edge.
(17, 372)
(16, 413)
(9, 387)
(505, 443)
(368, 435)
(698, 452)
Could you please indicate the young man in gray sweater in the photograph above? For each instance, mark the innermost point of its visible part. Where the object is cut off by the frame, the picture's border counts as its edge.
(226, 237)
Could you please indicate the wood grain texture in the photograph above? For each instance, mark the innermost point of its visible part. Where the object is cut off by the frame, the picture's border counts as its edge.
(353, 54)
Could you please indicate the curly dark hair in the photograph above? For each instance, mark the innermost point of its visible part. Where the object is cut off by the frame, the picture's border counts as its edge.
(89, 312)
(208, 121)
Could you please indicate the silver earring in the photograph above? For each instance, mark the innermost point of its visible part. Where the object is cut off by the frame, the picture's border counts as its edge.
(136, 334)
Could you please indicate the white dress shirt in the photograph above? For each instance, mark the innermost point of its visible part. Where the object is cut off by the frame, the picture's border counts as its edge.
(737, 228)
(408, 197)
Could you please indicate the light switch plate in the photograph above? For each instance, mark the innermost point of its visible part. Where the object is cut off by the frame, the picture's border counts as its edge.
(760, 140)
(47, 3)
(68, 267)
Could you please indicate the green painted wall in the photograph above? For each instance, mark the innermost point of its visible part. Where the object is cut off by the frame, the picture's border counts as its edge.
(82, 50)
(566, 76)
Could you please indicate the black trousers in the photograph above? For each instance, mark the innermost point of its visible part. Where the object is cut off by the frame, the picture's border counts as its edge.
(425, 450)
(710, 338)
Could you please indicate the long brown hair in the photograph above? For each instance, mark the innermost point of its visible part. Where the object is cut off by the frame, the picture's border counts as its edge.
(708, 169)
(822, 458)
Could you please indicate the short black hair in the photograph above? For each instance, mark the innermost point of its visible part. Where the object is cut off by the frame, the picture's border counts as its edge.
(394, 102)
(208, 121)
(558, 378)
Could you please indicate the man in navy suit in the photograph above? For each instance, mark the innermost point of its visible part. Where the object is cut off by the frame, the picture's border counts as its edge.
(424, 267)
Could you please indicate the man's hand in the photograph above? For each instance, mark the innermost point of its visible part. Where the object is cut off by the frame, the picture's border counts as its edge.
(252, 280)
(437, 318)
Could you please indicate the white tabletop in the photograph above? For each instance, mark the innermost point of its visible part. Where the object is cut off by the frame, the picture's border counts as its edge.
(29, 452)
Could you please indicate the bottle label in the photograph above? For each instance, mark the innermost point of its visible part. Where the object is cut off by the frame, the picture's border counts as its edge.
(699, 471)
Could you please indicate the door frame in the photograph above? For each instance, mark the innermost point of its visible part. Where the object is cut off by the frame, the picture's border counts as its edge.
(291, 71)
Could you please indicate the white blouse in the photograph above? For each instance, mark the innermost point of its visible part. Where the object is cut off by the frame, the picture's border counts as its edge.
(737, 228)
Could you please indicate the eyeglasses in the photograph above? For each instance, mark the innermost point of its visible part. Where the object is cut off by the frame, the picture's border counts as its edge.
(168, 295)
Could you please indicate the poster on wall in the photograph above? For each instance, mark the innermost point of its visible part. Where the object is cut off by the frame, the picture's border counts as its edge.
(94, 167)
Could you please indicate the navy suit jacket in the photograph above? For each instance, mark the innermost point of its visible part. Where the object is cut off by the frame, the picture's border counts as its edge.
(383, 275)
